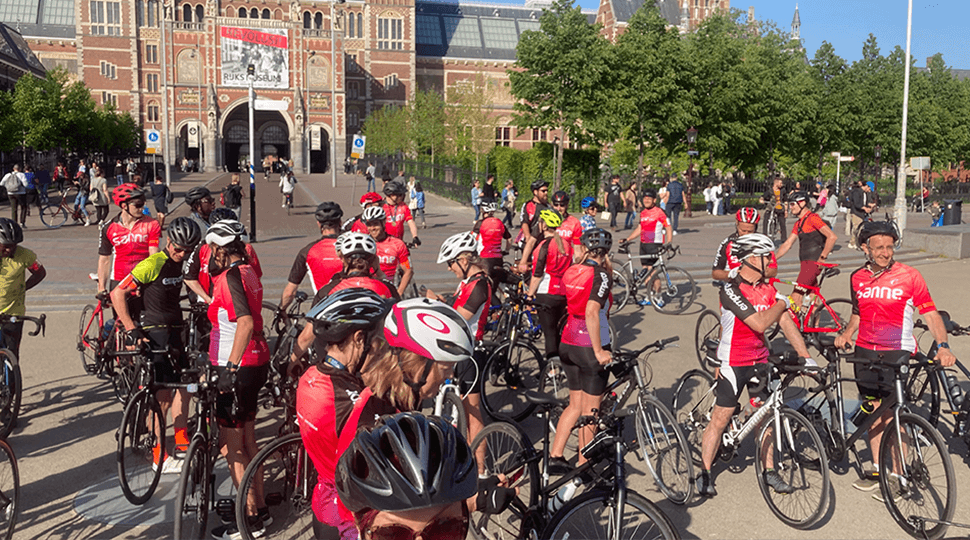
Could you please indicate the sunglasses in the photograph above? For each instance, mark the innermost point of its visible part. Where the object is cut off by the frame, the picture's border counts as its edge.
(451, 528)
(544, 190)
(138, 203)
(558, 205)
(179, 249)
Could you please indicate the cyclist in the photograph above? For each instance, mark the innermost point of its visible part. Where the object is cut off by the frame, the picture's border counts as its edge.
(237, 346)
(398, 212)
(571, 229)
(392, 253)
(815, 241)
(15, 261)
(158, 281)
(585, 348)
(358, 253)
(127, 239)
(287, 186)
(885, 293)
(491, 231)
(774, 197)
(725, 265)
(529, 217)
(749, 305)
(588, 221)
(654, 231)
(367, 200)
(553, 256)
(319, 258)
(202, 204)
(197, 274)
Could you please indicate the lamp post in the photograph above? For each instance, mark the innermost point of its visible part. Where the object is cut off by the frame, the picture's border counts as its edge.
(306, 112)
(333, 90)
(251, 75)
(198, 95)
(878, 154)
(691, 139)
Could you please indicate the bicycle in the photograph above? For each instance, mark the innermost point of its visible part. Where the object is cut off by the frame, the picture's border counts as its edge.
(910, 444)
(670, 289)
(817, 315)
(9, 490)
(607, 510)
(53, 216)
(930, 382)
(11, 382)
(771, 227)
(795, 450)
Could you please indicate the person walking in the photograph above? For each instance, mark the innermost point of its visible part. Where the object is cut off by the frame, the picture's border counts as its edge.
(30, 196)
(508, 202)
(119, 172)
(829, 205)
(417, 196)
(614, 199)
(707, 199)
(161, 197)
(488, 190)
(675, 202)
(16, 185)
(476, 200)
(99, 196)
(369, 175)
(60, 175)
(43, 181)
(233, 196)
(629, 206)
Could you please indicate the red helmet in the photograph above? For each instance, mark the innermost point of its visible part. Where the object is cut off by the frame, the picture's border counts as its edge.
(369, 198)
(125, 193)
(748, 215)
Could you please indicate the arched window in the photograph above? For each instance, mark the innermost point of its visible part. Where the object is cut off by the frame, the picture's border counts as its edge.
(187, 13)
(318, 20)
(278, 15)
(237, 133)
(360, 25)
(254, 13)
(267, 14)
(351, 26)
(140, 13)
(242, 13)
(152, 15)
(274, 135)
(199, 13)
(307, 20)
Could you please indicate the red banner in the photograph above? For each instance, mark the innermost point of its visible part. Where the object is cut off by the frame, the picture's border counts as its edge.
(254, 36)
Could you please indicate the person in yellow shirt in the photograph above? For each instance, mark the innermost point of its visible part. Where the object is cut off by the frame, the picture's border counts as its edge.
(15, 260)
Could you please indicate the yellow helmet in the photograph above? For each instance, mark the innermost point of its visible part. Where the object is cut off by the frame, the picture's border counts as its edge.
(551, 218)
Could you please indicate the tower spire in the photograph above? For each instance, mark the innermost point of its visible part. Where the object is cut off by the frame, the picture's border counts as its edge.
(796, 25)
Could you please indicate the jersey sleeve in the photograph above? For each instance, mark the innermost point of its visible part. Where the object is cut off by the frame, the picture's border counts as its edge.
(600, 291)
(193, 265)
(921, 294)
(240, 302)
(815, 222)
(407, 214)
(254, 260)
(539, 261)
(475, 298)
(404, 256)
(148, 270)
(105, 248)
(154, 234)
(853, 297)
(721, 255)
(29, 259)
(298, 271)
(734, 301)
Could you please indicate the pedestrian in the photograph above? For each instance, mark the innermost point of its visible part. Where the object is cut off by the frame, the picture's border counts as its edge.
(287, 185)
(717, 194)
(233, 195)
(629, 206)
(508, 202)
(862, 204)
(16, 185)
(60, 175)
(161, 197)
(418, 197)
(829, 205)
(99, 196)
(347, 164)
(369, 175)
(131, 169)
(675, 202)
(476, 200)
(400, 177)
(728, 189)
(707, 199)
(663, 195)
(31, 196)
(119, 172)
(488, 190)
(43, 180)
(385, 175)
(614, 199)
(83, 184)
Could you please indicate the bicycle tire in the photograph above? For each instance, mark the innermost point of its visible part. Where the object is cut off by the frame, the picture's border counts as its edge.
(138, 467)
(821, 318)
(192, 496)
(9, 490)
(590, 516)
(453, 412)
(501, 449)
(691, 406)
(278, 321)
(553, 383)
(620, 289)
(11, 390)
(88, 339)
(803, 464)
(928, 461)
(510, 371)
(53, 216)
(677, 290)
(664, 448)
(707, 333)
(288, 479)
(922, 393)
(123, 378)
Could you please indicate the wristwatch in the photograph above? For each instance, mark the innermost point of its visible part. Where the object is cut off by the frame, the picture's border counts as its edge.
(943, 345)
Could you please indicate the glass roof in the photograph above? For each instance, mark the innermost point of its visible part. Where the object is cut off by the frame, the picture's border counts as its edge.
(428, 30)
(462, 32)
(499, 33)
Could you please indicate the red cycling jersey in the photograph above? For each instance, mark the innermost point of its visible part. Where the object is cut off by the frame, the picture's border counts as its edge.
(128, 246)
(491, 232)
(811, 241)
(397, 215)
(340, 282)
(196, 267)
(723, 260)
(585, 283)
(354, 224)
(885, 302)
(237, 292)
(392, 252)
(474, 294)
(550, 264)
(320, 260)
(570, 230)
(653, 221)
(741, 345)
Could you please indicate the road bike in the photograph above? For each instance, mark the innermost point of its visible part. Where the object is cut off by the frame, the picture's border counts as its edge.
(927, 388)
(771, 226)
(816, 314)
(9, 490)
(669, 289)
(11, 382)
(53, 216)
(787, 441)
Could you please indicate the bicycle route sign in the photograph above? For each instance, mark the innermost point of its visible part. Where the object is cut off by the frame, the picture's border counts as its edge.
(359, 143)
(153, 141)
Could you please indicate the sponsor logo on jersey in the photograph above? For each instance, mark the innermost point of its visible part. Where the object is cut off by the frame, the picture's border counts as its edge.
(881, 293)
(131, 237)
(735, 296)
(172, 281)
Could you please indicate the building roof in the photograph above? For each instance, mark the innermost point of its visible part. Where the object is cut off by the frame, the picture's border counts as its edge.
(623, 10)
(15, 53)
(39, 18)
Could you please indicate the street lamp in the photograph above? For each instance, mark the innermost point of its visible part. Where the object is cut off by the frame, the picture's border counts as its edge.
(251, 77)
(691, 139)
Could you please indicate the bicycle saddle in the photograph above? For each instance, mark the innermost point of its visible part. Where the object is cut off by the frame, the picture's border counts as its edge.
(543, 401)
(831, 272)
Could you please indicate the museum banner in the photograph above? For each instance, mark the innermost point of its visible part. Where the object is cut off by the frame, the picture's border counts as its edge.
(264, 48)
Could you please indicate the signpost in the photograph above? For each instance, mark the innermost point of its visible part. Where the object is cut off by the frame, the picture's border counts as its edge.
(360, 142)
(838, 169)
(271, 105)
(920, 164)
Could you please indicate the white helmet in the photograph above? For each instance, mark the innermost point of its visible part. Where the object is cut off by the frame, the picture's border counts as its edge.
(429, 328)
(457, 244)
(751, 245)
(489, 206)
(350, 243)
(373, 213)
(225, 232)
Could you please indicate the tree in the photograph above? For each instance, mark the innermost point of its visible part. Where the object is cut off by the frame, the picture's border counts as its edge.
(470, 119)
(427, 123)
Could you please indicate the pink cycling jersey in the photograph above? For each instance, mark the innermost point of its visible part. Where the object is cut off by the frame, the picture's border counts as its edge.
(885, 302)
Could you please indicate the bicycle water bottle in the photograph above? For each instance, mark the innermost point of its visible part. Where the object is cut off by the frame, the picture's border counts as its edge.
(108, 327)
(753, 405)
(953, 389)
(563, 496)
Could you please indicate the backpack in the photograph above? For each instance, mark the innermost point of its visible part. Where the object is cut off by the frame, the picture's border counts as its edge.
(10, 182)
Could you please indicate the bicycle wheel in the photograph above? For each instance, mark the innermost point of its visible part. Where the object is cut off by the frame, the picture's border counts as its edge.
(692, 404)
(799, 458)
(553, 383)
(664, 447)
(123, 377)
(821, 318)
(923, 394)
(288, 479)
(673, 291)
(500, 449)
(9, 490)
(707, 336)
(593, 515)
(141, 447)
(621, 289)
(192, 496)
(275, 324)
(453, 411)
(510, 371)
(88, 336)
(53, 216)
(927, 488)
(10, 392)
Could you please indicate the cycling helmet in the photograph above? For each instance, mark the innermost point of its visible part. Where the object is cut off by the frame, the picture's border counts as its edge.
(220, 214)
(489, 206)
(347, 311)
(225, 232)
(587, 202)
(551, 218)
(560, 197)
(373, 213)
(876, 228)
(748, 215)
(394, 188)
(370, 198)
(539, 184)
(751, 244)
(10, 232)
(184, 232)
(351, 243)
(649, 192)
(408, 461)
(597, 238)
(872, 185)
(196, 194)
(429, 328)
(125, 193)
(455, 245)
(797, 196)
(329, 211)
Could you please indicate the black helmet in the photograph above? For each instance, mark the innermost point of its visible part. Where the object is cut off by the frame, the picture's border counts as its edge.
(328, 211)
(560, 197)
(10, 232)
(184, 232)
(876, 228)
(597, 239)
(408, 462)
(196, 194)
(346, 311)
(797, 196)
(649, 192)
(539, 184)
(394, 188)
(220, 214)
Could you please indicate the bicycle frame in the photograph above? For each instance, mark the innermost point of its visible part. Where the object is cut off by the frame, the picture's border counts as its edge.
(801, 322)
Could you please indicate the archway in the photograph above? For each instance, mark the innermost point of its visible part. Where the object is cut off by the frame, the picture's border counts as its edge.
(272, 137)
(319, 157)
(185, 139)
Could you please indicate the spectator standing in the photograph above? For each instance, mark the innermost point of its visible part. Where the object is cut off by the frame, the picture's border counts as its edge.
(476, 200)
(663, 195)
(60, 175)
(369, 175)
(161, 197)
(233, 196)
(83, 184)
(417, 195)
(508, 202)
(829, 204)
(119, 172)
(99, 196)
(707, 199)
(729, 192)
(16, 185)
(131, 169)
(614, 199)
(400, 177)
(629, 206)
(488, 190)
(717, 196)
(31, 190)
(385, 175)
(675, 202)
(43, 180)
(861, 206)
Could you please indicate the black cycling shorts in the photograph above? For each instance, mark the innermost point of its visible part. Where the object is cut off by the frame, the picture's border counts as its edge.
(650, 254)
(875, 381)
(468, 373)
(167, 369)
(732, 379)
(583, 372)
(249, 381)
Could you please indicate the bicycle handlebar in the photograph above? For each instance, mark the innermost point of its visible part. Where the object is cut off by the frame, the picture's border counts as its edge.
(40, 323)
(660, 345)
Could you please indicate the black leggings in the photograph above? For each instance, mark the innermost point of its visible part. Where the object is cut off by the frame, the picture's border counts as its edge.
(551, 308)
(322, 531)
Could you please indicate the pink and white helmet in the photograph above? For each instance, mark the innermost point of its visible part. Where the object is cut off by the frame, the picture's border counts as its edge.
(429, 328)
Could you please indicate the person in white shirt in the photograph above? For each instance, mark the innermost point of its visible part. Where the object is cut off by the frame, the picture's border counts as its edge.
(287, 185)
(707, 199)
